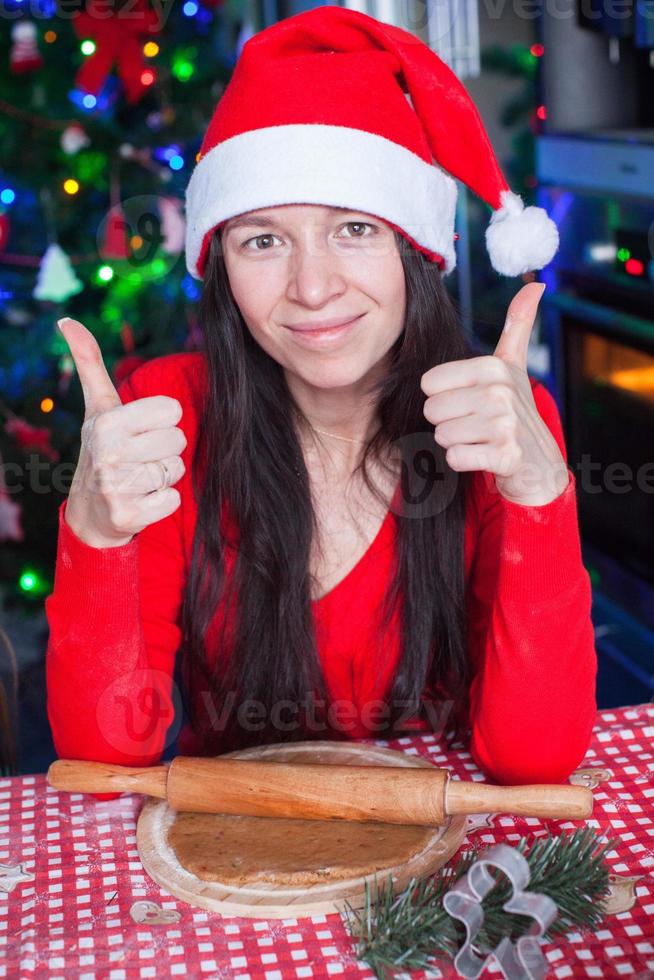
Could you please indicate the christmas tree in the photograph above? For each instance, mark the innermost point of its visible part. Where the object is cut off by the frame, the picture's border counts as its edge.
(102, 113)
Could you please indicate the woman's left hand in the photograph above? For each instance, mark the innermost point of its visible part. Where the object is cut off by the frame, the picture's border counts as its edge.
(485, 415)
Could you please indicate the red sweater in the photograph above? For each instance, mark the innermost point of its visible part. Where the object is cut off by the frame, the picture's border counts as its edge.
(114, 622)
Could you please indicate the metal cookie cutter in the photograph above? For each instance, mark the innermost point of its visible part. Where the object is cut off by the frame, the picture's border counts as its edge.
(522, 960)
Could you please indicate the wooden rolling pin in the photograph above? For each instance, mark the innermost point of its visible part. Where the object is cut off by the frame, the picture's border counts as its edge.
(312, 791)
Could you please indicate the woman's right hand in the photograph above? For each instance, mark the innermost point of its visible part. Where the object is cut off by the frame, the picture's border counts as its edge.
(118, 487)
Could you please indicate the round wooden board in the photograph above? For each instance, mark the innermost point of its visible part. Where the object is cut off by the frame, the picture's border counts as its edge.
(275, 901)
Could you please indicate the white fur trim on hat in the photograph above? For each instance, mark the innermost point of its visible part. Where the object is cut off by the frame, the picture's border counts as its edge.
(520, 239)
(321, 164)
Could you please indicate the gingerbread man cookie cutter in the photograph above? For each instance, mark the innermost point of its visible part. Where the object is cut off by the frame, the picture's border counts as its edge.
(522, 960)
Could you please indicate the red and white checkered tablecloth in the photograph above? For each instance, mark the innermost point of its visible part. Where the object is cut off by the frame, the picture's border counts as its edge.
(75, 916)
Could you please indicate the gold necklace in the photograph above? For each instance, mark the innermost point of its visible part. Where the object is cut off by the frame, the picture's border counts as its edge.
(360, 442)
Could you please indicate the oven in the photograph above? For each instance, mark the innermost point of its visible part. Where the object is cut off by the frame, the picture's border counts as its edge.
(597, 321)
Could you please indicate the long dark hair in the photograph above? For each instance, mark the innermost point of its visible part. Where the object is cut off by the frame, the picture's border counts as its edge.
(248, 454)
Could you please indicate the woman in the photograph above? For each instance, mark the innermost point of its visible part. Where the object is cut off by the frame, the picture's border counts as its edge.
(398, 526)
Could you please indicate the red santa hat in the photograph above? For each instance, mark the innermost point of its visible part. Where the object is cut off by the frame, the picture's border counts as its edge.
(334, 107)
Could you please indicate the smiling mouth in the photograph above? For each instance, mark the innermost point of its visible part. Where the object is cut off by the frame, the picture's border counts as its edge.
(320, 330)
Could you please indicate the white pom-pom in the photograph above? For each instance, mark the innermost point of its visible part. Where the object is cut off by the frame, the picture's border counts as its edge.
(520, 239)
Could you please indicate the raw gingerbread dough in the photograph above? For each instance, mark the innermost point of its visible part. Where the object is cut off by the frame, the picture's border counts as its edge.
(240, 850)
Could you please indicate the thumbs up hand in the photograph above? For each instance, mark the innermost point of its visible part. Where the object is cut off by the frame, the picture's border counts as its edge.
(485, 415)
(119, 485)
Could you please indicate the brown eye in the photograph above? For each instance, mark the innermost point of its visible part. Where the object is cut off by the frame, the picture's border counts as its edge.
(258, 238)
(360, 225)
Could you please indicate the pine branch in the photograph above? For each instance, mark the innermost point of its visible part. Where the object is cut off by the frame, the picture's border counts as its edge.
(406, 931)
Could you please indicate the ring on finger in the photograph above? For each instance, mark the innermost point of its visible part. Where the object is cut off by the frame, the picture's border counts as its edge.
(166, 471)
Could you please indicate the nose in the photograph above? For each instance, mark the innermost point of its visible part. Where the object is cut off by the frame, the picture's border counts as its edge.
(315, 274)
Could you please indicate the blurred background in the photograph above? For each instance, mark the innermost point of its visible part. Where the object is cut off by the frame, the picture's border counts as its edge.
(100, 125)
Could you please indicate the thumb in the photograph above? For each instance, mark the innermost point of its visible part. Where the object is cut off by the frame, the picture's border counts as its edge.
(99, 391)
(520, 317)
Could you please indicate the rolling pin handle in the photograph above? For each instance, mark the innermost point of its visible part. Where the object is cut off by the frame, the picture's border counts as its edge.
(84, 776)
(547, 801)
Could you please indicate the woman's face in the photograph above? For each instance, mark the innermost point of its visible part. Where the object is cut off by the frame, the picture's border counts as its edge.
(301, 265)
